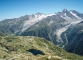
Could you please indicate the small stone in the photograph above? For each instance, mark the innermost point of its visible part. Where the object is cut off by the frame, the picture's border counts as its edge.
(49, 57)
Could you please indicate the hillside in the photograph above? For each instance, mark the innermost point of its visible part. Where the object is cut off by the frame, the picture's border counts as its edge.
(32, 48)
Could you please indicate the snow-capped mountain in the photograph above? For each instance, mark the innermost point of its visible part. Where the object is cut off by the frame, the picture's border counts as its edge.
(53, 27)
(19, 25)
(70, 15)
(61, 22)
(77, 14)
(34, 19)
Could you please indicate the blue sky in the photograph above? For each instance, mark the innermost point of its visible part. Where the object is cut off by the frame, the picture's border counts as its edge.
(16, 8)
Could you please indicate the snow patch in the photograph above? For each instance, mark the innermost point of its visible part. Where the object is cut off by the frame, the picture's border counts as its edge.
(63, 29)
(75, 15)
(66, 17)
(50, 22)
(60, 31)
(34, 20)
(51, 14)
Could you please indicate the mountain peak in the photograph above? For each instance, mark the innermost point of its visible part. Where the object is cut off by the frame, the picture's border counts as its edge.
(74, 11)
(65, 10)
(38, 13)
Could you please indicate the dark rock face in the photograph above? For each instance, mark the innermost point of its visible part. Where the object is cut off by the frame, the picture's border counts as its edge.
(35, 52)
(9, 41)
(11, 48)
(75, 39)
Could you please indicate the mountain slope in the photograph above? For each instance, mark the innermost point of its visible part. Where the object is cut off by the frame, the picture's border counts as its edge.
(16, 26)
(46, 28)
(24, 48)
(75, 39)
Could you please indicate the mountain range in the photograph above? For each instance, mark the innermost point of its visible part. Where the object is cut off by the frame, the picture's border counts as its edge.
(64, 29)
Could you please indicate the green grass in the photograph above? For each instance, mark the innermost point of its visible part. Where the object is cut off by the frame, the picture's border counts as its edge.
(15, 47)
